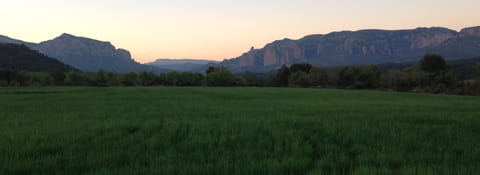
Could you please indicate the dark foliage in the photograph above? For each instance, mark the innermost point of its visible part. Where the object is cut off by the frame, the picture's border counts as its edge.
(301, 68)
(433, 64)
(432, 74)
(219, 76)
(19, 57)
(282, 77)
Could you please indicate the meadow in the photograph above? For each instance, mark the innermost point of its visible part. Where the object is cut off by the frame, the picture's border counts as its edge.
(208, 131)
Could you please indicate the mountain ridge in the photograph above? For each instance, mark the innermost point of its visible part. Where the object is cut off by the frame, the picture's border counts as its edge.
(183, 65)
(14, 57)
(369, 46)
(86, 54)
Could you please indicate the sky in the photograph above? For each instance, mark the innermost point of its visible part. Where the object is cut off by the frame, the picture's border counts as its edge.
(219, 29)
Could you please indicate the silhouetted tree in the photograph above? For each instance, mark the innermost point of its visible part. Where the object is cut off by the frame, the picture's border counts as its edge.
(318, 77)
(211, 69)
(299, 79)
(147, 78)
(436, 75)
(270, 81)
(219, 76)
(181, 79)
(101, 78)
(58, 77)
(74, 79)
(8, 77)
(113, 79)
(359, 77)
(369, 77)
(347, 77)
(282, 77)
(249, 78)
(476, 79)
(433, 64)
(129, 79)
(23, 78)
(301, 68)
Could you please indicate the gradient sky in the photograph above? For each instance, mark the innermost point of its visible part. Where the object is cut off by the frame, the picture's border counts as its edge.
(218, 29)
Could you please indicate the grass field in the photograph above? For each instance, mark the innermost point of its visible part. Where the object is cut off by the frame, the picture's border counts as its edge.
(129, 131)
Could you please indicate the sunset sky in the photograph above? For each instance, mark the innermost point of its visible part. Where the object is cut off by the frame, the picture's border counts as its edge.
(218, 29)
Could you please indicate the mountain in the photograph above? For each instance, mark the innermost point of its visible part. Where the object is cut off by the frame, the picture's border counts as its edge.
(86, 54)
(182, 64)
(361, 47)
(20, 57)
(5, 39)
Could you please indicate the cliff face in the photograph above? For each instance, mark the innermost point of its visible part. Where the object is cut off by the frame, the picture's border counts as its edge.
(360, 47)
(284, 52)
(88, 54)
(471, 31)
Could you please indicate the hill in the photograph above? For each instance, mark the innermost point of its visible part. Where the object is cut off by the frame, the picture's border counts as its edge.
(186, 65)
(20, 57)
(361, 47)
(87, 54)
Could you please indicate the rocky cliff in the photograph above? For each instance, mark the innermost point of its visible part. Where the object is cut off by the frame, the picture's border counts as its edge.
(471, 31)
(361, 47)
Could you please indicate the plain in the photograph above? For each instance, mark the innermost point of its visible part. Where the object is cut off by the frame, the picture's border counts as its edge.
(160, 130)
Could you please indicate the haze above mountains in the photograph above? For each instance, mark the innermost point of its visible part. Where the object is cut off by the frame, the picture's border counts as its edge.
(333, 49)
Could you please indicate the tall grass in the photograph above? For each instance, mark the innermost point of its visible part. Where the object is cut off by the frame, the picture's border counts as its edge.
(209, 131)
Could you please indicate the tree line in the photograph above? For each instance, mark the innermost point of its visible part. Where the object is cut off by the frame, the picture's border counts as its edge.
(431, 74)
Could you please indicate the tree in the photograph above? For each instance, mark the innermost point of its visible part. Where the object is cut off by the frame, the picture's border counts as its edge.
(476, 79)
(359, 77)
(318, 77)
(392, 80)
(282, 77)
(129, 79)
(219, 76)
(23, 78)
(249, 78)
(113, 79)
(270, 81)
(58, 77)
(181, 79)
(369, 77)
(301, 68)
(101, 78)
(74, 78)
(437, 77)
(347, 77)
(299, 79)
(147, 78)
(433, 64)
(39, 79)
(211, 69)
(9, 77)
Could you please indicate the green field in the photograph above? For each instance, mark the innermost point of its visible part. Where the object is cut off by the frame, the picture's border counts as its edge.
(129, 131)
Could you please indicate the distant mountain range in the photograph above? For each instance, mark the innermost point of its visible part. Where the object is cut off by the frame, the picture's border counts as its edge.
(185, 65)
(361, 47)
(333, 49)
(14, 57)
(86, 54)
